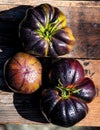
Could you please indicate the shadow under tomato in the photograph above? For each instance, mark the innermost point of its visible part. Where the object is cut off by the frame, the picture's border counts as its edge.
(9, 39)
(9, 25)
(28, 106)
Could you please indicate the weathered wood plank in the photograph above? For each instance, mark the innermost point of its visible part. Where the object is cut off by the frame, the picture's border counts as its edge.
(84, 20)
(56, 2)
(17, 108)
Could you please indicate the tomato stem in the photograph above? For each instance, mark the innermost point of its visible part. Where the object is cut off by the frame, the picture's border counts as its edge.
(66, 92)
(49, 30)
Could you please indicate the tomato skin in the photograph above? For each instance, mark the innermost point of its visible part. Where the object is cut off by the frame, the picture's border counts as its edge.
(23, 73)
(87, 90)
(62, 112)
(44, 32)
(71, 74)
(69, 71)
(65, 102)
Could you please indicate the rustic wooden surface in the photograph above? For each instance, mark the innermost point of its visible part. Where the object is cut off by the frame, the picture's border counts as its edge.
(84, 19)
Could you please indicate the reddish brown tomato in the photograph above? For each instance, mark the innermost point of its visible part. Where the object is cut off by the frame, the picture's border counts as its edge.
(23, 73)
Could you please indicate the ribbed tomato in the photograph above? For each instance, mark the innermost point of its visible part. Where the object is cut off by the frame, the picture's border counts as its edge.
(23, 73)
(65, 103)
(43, 32)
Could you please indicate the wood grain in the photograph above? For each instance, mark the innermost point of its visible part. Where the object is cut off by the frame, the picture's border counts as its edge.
(83, 17)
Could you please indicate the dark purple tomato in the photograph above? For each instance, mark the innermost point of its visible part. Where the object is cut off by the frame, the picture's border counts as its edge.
(43, 32)
(69, 71)
(60, 110)
(65, 102)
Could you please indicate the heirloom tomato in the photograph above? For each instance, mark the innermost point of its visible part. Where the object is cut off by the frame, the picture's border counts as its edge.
(65, 102)
(44, 32)
(23, 73)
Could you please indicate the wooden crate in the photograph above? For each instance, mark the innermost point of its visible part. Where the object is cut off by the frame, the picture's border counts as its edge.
(83, 17)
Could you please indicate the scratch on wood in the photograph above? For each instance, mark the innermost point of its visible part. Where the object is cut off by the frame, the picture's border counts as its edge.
(86, 63)
(97, 92)
(92, 74)
(88, 72)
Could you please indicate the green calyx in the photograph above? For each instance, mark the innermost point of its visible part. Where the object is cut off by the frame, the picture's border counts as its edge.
(48, 31)
(66, 92)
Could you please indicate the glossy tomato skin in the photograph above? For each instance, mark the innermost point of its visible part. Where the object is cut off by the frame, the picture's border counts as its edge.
(71, 74)
(87, 90)
(65, 102)
(43, 32)
(69, 71)
(60, 111)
